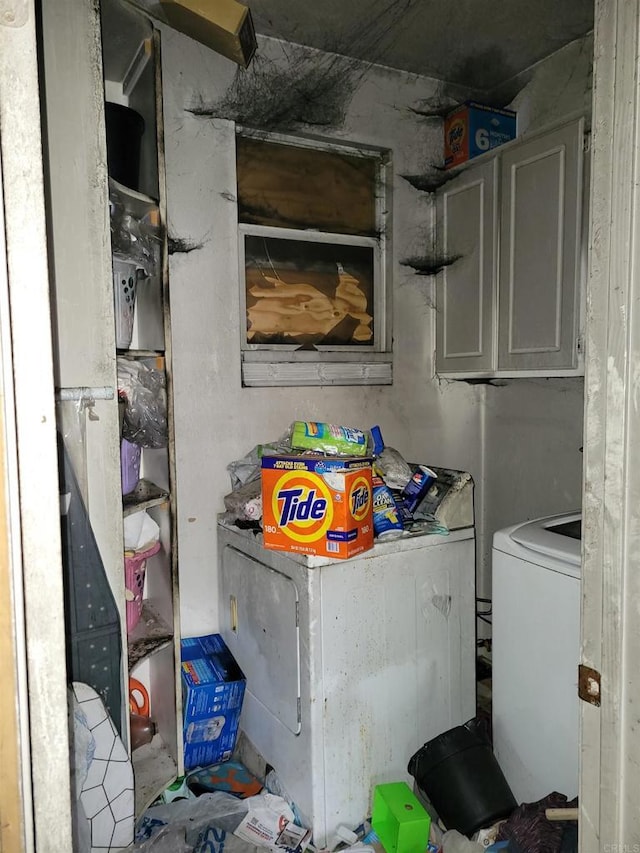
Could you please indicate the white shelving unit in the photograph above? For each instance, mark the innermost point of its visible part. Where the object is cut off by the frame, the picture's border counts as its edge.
(93, 53)
(131, 65)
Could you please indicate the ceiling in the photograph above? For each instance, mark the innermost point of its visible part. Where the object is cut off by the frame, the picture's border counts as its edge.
(478, 44)
(475, 43)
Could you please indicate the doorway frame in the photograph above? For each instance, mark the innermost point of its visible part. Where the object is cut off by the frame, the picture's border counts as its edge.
(610, 741)
(34, 678)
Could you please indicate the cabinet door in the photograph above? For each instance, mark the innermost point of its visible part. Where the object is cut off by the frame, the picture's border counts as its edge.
(540, 226)
(466, 216)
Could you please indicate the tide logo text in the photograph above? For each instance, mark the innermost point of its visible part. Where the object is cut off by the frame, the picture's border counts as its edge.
(360, 498)
(294, 508)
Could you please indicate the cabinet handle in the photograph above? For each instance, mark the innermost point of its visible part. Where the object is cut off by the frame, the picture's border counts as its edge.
(233, 608)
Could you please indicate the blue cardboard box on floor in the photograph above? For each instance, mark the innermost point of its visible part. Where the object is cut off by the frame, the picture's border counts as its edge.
(212, 693)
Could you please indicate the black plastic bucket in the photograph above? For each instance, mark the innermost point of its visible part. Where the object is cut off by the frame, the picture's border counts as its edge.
(124, 128)
(460, 775)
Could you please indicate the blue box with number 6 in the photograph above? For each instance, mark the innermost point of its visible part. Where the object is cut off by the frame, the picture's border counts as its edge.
(472, 129)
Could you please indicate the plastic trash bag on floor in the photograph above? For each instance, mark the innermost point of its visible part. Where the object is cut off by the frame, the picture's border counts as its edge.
(264, 820)
(454, 842)
(274, 786)
(170, 839)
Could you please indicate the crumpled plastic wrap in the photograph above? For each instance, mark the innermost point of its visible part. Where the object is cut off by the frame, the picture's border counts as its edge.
(393, 468)
(248, 468)
(135, 238)
(145, 416)
(245, 502)
(454, 842)
(140, 532)
(208, 823)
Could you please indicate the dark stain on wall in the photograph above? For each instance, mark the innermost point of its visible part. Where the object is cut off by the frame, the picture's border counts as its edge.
(497, 383)
(484, 67)
(182, 245)
(432, 180)
(307, 90)
(310, 88)
(430, 265)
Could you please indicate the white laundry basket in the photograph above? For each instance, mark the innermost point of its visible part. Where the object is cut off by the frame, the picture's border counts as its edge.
(125, 277)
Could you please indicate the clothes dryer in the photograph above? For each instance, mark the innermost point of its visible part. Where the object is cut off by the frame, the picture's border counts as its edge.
(351, 665)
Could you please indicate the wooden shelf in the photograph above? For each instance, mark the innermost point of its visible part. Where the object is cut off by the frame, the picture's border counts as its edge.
(139, 354)
(154, 770)
(145, 495)
(150, 635)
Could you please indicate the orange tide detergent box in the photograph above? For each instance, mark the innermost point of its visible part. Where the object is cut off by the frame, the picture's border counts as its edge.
(317, 505)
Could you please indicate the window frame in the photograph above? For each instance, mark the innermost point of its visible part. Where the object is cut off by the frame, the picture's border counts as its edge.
(307, 236)
(351, 364)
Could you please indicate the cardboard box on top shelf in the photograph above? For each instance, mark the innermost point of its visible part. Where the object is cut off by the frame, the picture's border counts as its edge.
(472, 129)
(225, 26)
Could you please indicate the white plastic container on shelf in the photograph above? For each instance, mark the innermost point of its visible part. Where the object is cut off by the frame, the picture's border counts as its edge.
(125, 278)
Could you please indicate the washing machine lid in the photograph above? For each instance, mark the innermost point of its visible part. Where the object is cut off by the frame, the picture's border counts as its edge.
(553, 542)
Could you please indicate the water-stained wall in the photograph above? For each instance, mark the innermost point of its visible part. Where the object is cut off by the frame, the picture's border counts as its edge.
(217, 420)
(472, 427)
(532, 429)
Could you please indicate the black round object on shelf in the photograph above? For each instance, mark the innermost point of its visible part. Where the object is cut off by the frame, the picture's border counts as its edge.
(125, 128)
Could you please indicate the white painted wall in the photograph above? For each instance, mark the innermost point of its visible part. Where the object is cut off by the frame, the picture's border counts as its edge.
(217, 420)
(555, 88)
(523, 434)
(532, 429)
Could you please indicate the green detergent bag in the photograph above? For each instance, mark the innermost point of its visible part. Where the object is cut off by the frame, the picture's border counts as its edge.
(328, 438)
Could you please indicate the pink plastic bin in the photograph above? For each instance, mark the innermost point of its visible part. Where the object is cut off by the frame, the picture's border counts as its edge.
(134, 569)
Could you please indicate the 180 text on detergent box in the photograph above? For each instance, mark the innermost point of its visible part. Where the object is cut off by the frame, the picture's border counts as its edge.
(317, 505)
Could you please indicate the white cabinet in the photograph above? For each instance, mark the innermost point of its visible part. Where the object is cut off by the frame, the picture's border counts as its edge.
(466, 210)
(510, 232)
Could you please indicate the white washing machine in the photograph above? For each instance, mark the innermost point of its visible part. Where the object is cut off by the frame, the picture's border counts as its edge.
(351, 665)
(536, 652)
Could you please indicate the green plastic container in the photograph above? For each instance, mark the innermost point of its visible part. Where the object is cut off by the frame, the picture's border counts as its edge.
(399, 819)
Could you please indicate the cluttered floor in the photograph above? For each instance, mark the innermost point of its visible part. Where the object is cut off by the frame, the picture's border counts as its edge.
(353, 650)
(451, 794)
(459, 802)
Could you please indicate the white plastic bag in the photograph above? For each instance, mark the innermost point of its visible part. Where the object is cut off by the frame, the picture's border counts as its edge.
(265, 820)
(454, 842)
(140, 531)
(393, 468)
